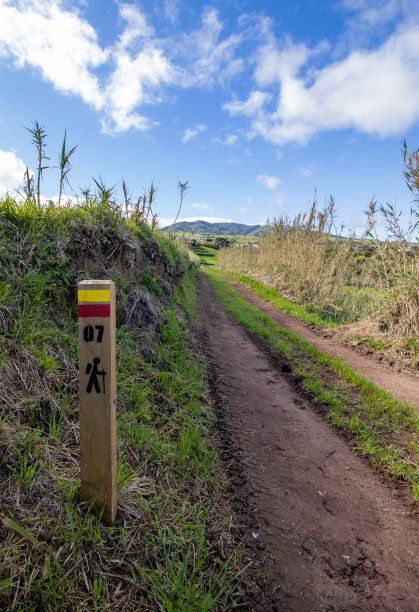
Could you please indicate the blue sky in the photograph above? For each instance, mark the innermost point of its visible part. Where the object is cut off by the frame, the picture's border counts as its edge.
(255, 103)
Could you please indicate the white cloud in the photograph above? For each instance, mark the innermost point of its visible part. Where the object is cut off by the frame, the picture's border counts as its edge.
(171, 10)
(64, 47)
(270, 182)
(273, 65)
(190, 133)
(293, 97)
(133, 83)
(140, 69)
(305, 171)
(54, 39)
(372, 13)
(369, 22)
(12, 170)
(229, 140)
(373, 91)
(209, 58)
(58, 43)
(251, 107)
(136, 25)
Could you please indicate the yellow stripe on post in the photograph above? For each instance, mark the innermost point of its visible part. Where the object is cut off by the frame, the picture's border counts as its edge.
(94, 295)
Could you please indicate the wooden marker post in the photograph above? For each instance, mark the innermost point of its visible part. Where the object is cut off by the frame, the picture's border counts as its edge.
(97, 379)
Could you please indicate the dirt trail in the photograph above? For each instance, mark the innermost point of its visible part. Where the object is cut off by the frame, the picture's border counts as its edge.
(326, 531)
(401, 386)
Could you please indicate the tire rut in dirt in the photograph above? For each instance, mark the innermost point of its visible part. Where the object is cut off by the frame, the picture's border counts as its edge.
(327, 533)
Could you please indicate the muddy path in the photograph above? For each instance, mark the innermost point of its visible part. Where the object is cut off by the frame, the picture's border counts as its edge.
(402, 386)
(323, 531)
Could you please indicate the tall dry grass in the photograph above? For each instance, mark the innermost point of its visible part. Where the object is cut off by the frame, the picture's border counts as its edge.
(301, 256)
(395, 266)
(347, 278)
(395, 269)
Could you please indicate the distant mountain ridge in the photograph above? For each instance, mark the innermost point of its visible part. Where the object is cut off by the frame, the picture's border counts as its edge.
(216, 229)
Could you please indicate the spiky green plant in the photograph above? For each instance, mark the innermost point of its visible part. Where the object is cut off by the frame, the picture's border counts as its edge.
(28, 187)
(38, 138)
(105, 193)
(64, 164)
(127, 197)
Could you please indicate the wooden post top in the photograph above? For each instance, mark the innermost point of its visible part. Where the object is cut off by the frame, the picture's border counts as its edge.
(106, 283)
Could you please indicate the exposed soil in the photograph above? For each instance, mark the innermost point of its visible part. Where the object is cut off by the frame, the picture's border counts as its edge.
(322, 529)
(404, 386)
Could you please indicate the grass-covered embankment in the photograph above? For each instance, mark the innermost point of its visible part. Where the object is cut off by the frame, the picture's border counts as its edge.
(384, 429)
(171, 547)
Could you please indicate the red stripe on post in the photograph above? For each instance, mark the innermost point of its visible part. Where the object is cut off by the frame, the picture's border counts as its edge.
(94, 310)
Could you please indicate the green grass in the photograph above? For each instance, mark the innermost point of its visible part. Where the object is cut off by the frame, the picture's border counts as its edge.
(274, 297)
(356, 303)
(208, 256)
(150, 283)
(377, 344)
(384, 429)
(171, 547)
(352, 300)
(172, 429)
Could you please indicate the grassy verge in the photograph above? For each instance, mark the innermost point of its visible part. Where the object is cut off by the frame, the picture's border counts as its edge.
(274, 297)
(208, 256)
(195, 259)
(171, 547)
(186, 565)
(384, 429)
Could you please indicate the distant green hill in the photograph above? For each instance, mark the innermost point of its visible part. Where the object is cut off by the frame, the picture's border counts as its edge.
(216, 229)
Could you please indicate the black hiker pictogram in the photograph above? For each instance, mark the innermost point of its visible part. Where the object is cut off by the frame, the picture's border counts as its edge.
(94, 373)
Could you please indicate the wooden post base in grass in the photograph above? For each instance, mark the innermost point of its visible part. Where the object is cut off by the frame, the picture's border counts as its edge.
(97, 379)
